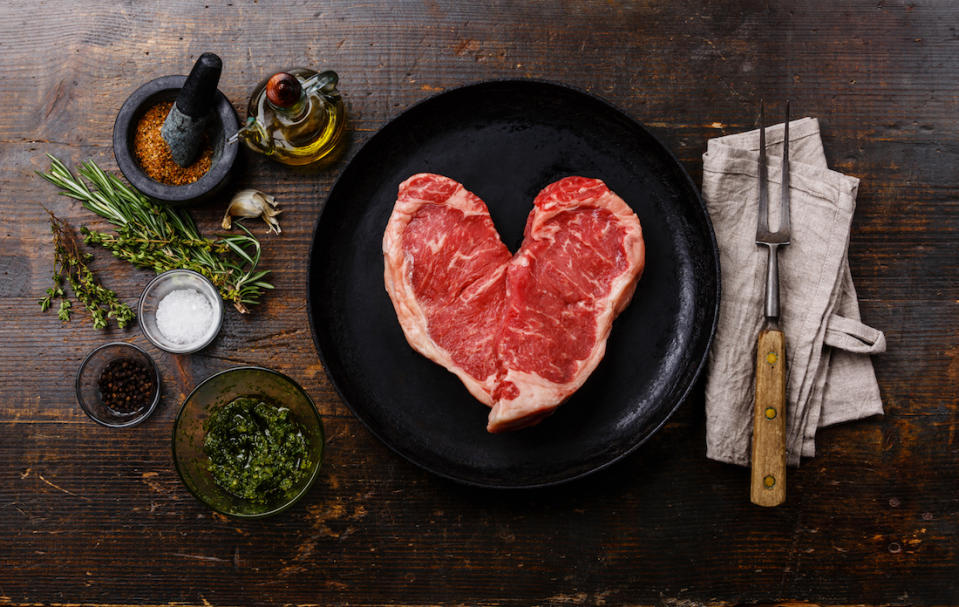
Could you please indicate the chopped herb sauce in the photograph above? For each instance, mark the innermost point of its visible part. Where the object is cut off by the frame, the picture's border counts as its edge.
(257, 450)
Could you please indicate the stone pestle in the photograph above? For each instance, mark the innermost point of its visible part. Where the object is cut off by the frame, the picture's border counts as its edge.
(184, 126)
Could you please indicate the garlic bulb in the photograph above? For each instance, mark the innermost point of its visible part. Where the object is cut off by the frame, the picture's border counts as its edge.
(253, 203)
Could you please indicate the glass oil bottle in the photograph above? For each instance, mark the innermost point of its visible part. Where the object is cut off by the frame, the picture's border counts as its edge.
(295, 117)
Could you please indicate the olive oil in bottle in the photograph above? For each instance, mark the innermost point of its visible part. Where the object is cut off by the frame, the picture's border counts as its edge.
(295, 117)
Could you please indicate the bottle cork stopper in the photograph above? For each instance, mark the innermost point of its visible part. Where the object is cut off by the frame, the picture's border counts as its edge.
(283, 89)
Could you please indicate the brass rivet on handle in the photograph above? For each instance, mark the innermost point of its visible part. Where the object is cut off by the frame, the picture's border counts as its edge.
(768, 481)
(770, 413)
(771, 358)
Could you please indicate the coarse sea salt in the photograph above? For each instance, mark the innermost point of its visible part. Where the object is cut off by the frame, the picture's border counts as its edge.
(184, 316)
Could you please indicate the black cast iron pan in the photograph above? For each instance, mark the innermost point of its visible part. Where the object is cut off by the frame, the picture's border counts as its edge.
(506, 140)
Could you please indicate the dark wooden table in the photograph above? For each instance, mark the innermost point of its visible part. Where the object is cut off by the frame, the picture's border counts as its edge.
(93, 515)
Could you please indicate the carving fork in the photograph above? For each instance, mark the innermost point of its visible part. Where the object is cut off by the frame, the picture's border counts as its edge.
(768, 478)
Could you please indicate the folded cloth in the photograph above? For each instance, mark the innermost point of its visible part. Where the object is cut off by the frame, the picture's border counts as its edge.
(830, 378)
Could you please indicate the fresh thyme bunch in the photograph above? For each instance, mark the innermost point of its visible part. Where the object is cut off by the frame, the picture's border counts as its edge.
(161, 238)
(70, 264)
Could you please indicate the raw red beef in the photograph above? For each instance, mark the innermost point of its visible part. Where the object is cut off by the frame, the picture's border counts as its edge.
(523, 331)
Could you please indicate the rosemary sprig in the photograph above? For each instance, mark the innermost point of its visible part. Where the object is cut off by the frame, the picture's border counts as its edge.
(71, 264)
(160, 238)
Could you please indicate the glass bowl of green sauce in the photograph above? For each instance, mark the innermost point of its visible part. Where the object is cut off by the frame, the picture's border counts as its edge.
(248, 442)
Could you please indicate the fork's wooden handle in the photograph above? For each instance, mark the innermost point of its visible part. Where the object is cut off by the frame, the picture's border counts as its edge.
(768, 481)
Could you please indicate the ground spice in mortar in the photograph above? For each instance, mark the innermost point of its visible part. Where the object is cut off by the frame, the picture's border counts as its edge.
(154, 155)
(126, 385)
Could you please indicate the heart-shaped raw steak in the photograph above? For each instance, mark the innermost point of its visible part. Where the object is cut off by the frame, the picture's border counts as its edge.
(523, 331)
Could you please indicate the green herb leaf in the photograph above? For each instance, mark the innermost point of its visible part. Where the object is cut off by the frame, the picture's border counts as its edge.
(70, 263)
(160, 238)
(64, 312)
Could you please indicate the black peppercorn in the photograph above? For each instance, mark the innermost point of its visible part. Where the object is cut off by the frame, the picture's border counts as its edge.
(127, 385)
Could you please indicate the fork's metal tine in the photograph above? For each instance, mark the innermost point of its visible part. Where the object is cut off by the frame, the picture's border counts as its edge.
(763, 222)
(784, 199)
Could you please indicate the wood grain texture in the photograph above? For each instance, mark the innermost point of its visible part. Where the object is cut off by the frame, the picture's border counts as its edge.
(767, 477)
(90, 515)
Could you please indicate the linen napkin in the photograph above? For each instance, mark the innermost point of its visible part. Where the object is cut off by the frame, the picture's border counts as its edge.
(830, 378)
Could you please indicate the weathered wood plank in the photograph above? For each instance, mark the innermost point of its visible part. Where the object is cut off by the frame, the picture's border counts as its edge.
(92, 515)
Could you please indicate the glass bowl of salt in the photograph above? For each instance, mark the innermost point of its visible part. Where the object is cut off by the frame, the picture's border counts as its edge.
(180, 311)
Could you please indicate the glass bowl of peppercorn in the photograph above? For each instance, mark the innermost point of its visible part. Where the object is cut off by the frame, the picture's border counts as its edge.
(118, 385)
